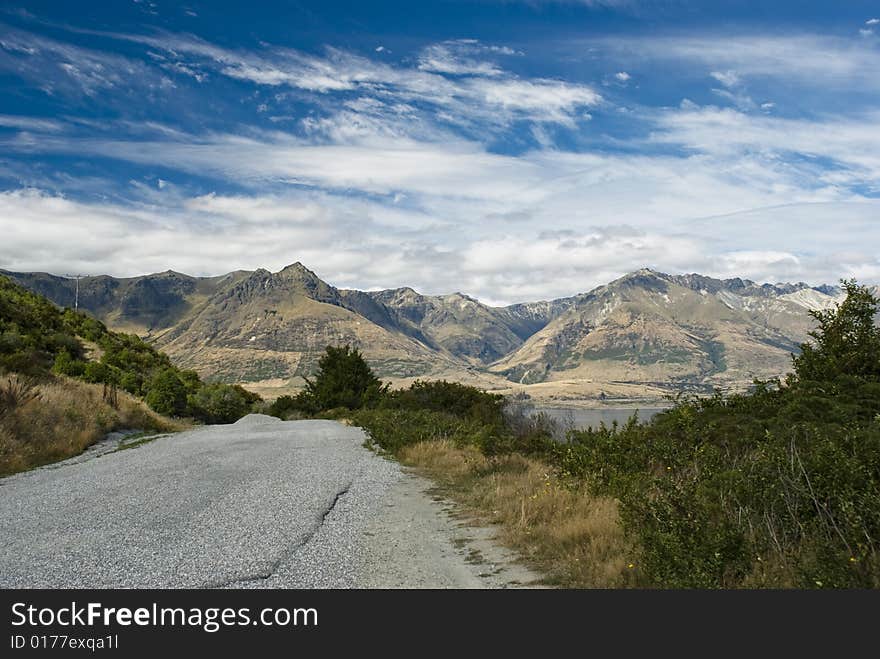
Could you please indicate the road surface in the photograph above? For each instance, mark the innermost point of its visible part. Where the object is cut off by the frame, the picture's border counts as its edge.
(261, 503)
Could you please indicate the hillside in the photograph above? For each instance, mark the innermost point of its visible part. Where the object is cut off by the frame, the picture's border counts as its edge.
(275, 325)
(640, 337)
(66, 380)
(680, 332)
(46, 417)
(465, 327)
(142, 305)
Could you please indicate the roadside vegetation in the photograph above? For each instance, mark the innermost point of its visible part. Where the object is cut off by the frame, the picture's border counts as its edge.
(51, 419)
(777, 488)
(66, 380)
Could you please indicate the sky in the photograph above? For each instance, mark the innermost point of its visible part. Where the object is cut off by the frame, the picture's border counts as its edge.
(513, 150)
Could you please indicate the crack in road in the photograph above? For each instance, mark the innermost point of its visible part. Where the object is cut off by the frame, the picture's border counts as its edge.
(291, 550)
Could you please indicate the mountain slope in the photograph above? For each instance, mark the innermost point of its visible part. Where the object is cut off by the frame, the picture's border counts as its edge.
(648, 327)
(465, 327)
(640, 336)
(403, 333)
(269, 326)
(144, 305)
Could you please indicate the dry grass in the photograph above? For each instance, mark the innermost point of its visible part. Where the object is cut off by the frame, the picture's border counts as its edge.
(60, 417)
(574, 538)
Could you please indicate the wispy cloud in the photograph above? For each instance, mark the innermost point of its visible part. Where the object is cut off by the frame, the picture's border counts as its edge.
(450, 215)
(455, 77)
(851, 144)
(61, 68)
(834, 62)
(460, 57)
(29, 123)
(726, 78)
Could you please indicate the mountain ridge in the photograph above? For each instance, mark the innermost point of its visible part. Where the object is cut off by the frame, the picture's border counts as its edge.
(645, 331)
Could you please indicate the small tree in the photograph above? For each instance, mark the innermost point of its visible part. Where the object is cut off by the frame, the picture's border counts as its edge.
(221, 403)
(66, 364)
(344, 379)
(847, 341)
(167, 393)
(97, 372)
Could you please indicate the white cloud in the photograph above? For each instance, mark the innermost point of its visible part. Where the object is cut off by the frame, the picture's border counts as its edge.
(737, 97)
(451, 216)
(852, 143)
(833, 62)
(726, 78)
(872, 21)
(29, 123)
(809, 253)
(457, 58)
(538, 99)
(382, 189)
(368, 245)
(57, 67)
(622, 76)
(98, 237)
(750, 260)
(454, 77)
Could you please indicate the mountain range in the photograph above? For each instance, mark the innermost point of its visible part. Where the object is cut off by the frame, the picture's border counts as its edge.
(639, 337)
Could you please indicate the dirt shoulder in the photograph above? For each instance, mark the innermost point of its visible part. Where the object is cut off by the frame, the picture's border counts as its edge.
(420, 540)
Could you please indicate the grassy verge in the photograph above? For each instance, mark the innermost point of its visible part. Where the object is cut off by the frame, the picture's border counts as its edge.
(574, 538)
(58, 417)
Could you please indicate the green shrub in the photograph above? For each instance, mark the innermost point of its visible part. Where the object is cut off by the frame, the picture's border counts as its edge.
(36, 337)
(343, 380)
(392, 429)
(221, 403)
(286, 406)
(167, 394)
(779, 487)
(132, 383)
(98, 372)
(449, 397)
(65, 364)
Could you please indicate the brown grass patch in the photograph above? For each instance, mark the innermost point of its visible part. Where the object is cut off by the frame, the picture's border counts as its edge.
(60, 417)
(573, 537)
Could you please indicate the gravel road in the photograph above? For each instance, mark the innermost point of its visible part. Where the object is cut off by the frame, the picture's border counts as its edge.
(261, 503)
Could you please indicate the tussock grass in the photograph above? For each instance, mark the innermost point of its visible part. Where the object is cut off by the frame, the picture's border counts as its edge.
(573, 537)
(56, 418)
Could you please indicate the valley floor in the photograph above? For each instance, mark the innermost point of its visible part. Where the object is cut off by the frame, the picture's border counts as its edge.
(578, 394)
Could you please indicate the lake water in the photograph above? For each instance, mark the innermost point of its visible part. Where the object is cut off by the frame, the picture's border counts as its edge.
(583, 418)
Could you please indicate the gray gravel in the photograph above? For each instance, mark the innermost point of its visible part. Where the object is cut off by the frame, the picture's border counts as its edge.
(259, 503)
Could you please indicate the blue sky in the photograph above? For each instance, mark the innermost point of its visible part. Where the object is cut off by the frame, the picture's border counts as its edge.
(512, 150)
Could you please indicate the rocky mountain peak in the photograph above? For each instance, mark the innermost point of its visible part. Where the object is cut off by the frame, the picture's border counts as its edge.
(645, 278)
(404, 293)
(298, 271)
